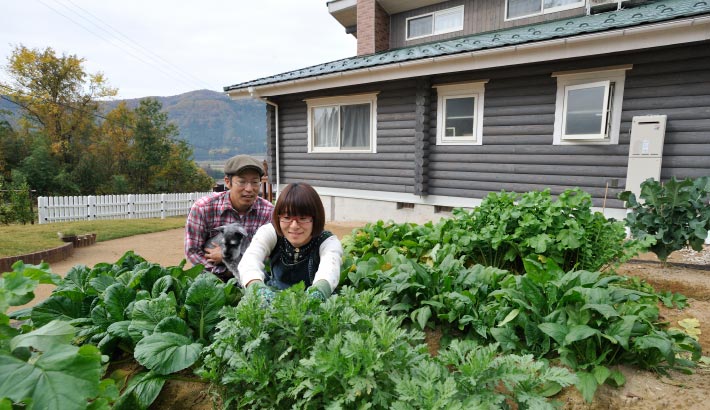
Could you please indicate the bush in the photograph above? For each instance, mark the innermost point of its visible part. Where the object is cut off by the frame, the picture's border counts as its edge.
(15, 202)
(676, 214)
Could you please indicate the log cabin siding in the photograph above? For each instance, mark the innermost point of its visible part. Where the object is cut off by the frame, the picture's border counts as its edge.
(390, 168)
(517, 153)
(479, 16)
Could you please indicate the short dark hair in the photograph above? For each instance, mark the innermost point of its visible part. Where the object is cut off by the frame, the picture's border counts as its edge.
(299, 199)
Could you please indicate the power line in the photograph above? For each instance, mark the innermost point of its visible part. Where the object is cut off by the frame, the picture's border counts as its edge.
(140, 47)
(127, 51)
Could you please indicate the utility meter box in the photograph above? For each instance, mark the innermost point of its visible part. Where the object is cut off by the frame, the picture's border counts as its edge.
(645, 150)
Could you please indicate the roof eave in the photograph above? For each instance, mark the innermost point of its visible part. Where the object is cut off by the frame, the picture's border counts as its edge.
(679, 31)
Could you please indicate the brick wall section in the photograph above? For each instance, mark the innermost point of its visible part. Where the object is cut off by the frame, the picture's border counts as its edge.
(373, 27)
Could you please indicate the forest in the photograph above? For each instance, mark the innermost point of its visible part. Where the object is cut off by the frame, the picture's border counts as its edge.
(64, 144)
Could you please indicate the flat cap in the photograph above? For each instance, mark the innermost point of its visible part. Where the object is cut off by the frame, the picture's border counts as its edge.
(241, 163)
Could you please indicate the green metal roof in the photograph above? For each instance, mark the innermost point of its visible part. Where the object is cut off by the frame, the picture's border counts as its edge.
(654, 12)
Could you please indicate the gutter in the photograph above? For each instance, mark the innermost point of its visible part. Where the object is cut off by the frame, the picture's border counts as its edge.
(599, 42)
(254, 95)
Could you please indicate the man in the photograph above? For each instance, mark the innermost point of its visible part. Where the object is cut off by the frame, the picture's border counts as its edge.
(241, 203)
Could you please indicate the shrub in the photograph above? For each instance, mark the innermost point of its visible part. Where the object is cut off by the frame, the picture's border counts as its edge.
(676, 214)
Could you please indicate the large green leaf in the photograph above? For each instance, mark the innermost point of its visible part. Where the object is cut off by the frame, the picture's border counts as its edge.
(587, 385)
(148, 313)
(62, 378)
(117, 297)
(166, 353)
(15, 289)
(203, 302)
(142, 390)
(556, 331)
(579, 332)
(54, 332)
(58, 307)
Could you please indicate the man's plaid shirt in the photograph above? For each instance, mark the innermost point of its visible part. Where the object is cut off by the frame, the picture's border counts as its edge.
(215, 210)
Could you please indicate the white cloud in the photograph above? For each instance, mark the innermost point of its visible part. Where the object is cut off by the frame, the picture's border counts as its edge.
(192, 44)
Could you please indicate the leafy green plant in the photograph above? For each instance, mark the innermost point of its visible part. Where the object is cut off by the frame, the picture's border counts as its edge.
(676, 214)
(37, 363)
(161, 316)
(352, 352)
(504, 230)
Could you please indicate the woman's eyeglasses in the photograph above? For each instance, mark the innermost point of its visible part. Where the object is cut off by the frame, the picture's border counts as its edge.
(301, 220)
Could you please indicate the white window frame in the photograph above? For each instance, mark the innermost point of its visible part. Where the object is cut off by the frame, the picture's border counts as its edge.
(459, 90)
(590, 78)
(543, 10)
(370, 98)
(434, 31)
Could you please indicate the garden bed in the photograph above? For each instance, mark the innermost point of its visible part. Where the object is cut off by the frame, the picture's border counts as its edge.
(686, 273)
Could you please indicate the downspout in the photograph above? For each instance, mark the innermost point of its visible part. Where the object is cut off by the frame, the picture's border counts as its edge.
(253, 95)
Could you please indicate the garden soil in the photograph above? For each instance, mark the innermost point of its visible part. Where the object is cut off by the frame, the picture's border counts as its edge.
(688, 273)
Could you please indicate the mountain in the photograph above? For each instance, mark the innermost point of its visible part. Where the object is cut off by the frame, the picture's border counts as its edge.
(216, 126)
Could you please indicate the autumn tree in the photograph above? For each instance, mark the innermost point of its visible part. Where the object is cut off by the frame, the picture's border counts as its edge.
(57, 96)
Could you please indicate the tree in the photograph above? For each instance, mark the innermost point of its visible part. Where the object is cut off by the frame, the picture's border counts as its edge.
(58, 97)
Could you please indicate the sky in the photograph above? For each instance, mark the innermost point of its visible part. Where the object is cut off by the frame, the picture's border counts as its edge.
(162, 48)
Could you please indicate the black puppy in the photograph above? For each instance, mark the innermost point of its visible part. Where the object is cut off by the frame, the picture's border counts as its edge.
(231, 240)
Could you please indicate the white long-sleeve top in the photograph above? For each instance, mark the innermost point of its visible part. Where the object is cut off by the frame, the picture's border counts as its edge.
(251, 266)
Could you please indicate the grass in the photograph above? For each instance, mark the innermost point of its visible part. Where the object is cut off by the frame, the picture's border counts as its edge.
(23, 239)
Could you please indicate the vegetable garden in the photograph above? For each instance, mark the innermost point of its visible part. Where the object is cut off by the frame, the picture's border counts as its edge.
(521, 293)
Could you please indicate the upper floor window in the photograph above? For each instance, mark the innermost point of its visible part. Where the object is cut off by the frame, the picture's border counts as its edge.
(439, 22)
(515, 9)
(342, 124)
(459, 115)
(588, 106)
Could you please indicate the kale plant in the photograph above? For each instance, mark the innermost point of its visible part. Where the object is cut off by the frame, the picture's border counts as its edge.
(675, 214)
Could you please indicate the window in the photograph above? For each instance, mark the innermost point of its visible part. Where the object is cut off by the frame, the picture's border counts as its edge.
(439, 22)
(515, 9)
(588, 106)
(459, 115)
(342, 124)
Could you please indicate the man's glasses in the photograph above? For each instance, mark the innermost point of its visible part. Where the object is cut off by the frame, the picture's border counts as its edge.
(243, 184)
(301, 220)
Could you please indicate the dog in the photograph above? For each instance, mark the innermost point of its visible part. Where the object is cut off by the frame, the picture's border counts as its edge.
(231, 240)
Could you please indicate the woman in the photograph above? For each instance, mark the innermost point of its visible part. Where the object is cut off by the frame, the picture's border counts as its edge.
(298, 248)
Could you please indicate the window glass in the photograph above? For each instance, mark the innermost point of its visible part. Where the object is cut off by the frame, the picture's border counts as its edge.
(422, 26)
(355, 121)
(559, 3)
(325, 126)
(449, 21)
(519, 8)
(459, 116)
(585, 110)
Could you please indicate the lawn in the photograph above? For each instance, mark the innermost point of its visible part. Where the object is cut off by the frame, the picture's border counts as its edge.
(23, 239)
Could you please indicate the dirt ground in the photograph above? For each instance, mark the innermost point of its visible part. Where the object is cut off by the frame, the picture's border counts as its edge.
(688, 273)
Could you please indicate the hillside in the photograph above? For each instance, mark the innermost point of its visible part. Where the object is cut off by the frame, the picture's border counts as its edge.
(213, 124)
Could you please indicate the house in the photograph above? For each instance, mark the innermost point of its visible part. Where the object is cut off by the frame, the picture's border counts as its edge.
(448, 101)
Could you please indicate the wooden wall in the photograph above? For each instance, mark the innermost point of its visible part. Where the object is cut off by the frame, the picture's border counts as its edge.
(517, 153)
(479, 16)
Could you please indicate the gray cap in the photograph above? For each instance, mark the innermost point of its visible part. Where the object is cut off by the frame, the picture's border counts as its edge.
(241, 163)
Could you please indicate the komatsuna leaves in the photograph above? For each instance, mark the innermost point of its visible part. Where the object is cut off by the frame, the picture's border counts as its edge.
(63, 378)
(58, 307)
(166, 353)
(142, 390)
(148, 313)
(117, 297)
(204, 299)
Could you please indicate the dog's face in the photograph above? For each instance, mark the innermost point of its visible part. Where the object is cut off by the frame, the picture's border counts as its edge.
(233, 244)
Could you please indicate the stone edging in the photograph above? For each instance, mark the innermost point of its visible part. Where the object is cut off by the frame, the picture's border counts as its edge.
(50, 255)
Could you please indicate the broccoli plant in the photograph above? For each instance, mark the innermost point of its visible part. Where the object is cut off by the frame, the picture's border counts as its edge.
(676, 214)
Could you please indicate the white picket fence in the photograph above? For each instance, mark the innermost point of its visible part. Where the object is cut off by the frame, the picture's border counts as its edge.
(132, 206)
